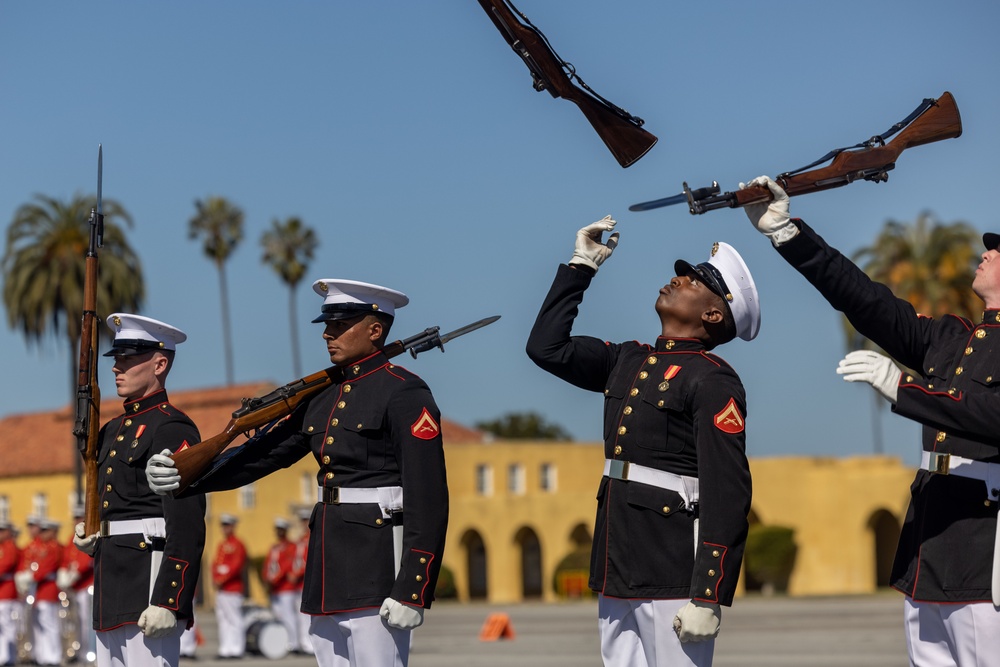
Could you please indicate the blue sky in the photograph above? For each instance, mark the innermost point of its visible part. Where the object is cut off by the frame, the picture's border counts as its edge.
(408, 135)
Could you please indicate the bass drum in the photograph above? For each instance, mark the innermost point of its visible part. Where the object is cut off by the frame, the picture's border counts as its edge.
(267, 638)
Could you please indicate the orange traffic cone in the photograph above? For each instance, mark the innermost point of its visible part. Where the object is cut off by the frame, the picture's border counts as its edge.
(497, 626)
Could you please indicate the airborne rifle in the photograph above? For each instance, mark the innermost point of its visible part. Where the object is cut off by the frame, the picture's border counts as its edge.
(259, 414)
(88, 391)
(871, 160)
(621, 132)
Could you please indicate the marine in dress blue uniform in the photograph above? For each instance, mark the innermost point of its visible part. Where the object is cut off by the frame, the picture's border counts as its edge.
(946, 562)
(378, 530)
(673, 502)
(147, 556)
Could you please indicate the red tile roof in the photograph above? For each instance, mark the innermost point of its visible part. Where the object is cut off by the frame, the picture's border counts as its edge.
(42, 443)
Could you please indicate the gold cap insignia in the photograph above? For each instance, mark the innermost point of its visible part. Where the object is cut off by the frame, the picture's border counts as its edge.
(323, 287)
(715, 248)
(117, 320)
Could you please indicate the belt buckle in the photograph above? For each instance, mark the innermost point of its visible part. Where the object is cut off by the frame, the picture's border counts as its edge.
(619, 470)
(940, 463)
(332, 495)
(105, 528)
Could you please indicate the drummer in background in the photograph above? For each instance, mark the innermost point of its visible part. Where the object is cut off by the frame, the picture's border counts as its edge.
(10, 557)
(76, 577)
(284, 587)
(227, 575)
(298, 572)
(37, 579)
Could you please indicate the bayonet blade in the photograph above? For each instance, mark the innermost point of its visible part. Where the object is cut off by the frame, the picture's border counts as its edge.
(100, 170)
(659, 203)
(467, 328)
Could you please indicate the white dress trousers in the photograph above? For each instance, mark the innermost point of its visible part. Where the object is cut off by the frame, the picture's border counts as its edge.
(286, 611)
(304, 621)
(189, 642)
(47, 648)
(85, 623)
(640, 633)
(232, 634)
(8, 631)
(952, 635)
(126, 646)
(358, 639)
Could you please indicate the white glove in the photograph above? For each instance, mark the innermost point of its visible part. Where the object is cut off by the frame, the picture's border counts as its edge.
(157, 622)
(401, 616)
(161, 475)
(876, 369)
(698, 621)
(65, 578)
(23, 581)
(771, 218)
(85, 543)
(590, 250)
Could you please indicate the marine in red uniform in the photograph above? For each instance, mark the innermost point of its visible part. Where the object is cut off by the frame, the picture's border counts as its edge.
(76, 578)
(672, 504)
(10, 559)
(40, 561)
(283, 582)
(228, 577)
(298, 573)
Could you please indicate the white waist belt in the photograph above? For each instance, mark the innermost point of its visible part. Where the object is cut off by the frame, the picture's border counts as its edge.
(386, 497)
(687, 487)
(151, 527)
(949, 464)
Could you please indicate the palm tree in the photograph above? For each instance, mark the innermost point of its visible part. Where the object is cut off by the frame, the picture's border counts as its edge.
(928, 263)
(221, 226)
(288, 248)
(44, 266)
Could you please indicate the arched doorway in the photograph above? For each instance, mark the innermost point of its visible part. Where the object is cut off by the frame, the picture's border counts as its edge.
(531, 563)
(475, 562)
(885, 536)
(580, 537)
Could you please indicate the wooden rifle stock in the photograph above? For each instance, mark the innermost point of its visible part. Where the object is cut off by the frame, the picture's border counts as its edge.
(88, 416)
(940, 121)
(621, 132)
(192, 462)
(934, 120)
(88, 390)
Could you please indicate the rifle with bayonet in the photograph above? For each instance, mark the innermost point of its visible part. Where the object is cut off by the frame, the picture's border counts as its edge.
(88, 391)
(871, 160)
(262, 412)
(621, 132)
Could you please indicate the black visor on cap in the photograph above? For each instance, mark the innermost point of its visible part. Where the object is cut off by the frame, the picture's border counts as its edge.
(991, 241)
(709, 275)
(345, 311)
(130, 347)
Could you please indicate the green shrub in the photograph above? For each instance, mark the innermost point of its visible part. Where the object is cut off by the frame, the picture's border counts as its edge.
(769, 557)
(445, 589)
(571, 574)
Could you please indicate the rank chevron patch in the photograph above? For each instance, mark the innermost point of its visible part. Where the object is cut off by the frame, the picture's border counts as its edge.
(425, 427)
(729, 420)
